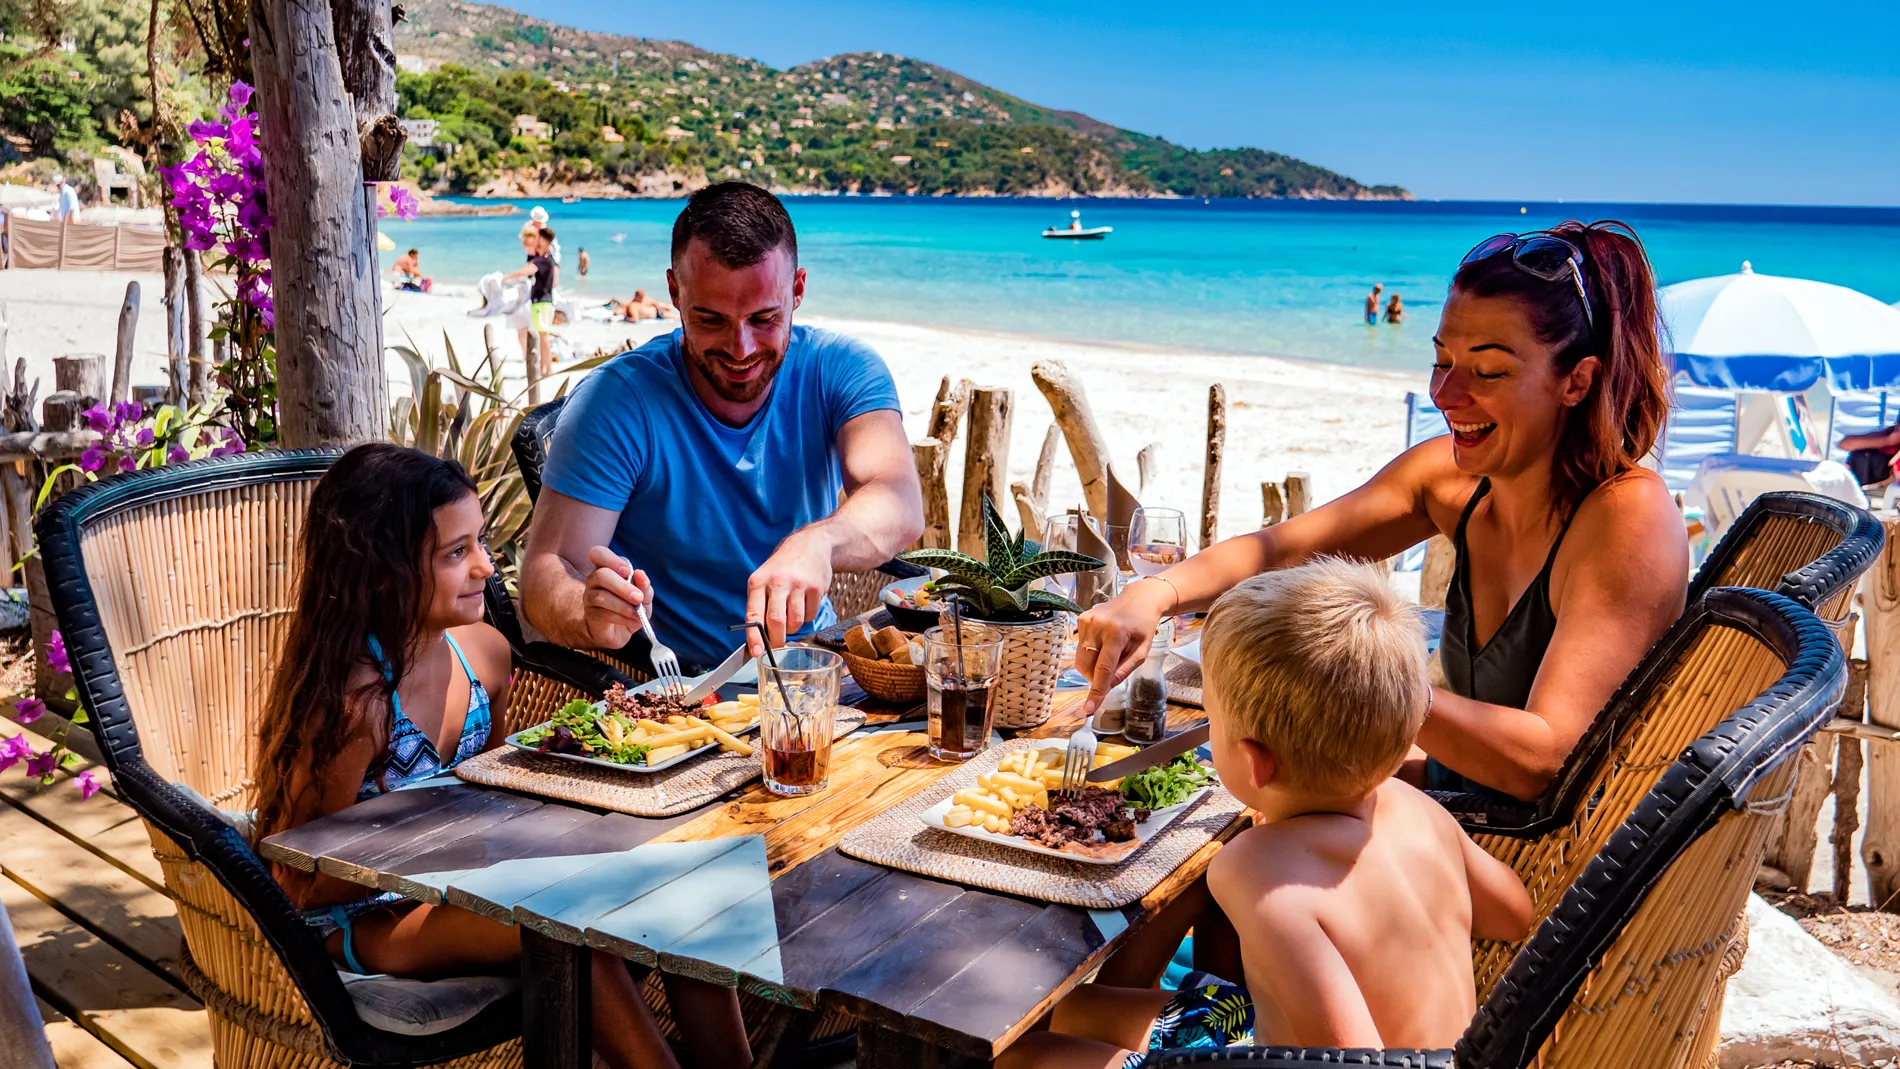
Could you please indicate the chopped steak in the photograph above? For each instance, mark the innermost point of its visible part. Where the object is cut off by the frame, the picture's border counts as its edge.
(650, 705)
(1077, 818)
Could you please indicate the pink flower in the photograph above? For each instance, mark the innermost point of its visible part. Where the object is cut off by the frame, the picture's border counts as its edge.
(92, 459)
(13, 750)
(87, 782)
(99, 418)
(43, 765)
(28, 710)
(127, 412)
(176, 455)
(127, 464)
(56, 654)
(404, 203)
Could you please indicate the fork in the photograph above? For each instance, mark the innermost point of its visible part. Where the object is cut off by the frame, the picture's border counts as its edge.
(1079, 759)
(666, 665)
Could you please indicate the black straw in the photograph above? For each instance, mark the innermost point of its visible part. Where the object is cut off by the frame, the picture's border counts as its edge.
(765, 640)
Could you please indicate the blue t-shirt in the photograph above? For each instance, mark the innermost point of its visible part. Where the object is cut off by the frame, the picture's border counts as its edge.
(702, 505)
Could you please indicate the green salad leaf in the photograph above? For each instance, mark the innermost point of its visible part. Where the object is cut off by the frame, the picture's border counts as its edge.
(577, 729)
(1165, 785)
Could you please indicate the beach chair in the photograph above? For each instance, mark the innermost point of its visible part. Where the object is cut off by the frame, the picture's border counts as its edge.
(1625, 968)
(851, 593)
(1701, 424)
(1859, 412)
(172, 588)
(1423, 420)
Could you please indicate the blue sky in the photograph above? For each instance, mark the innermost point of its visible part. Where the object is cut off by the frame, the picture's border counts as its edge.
(1737, 102)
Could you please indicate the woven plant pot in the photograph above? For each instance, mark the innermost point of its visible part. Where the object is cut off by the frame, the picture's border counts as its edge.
(1025, 691)
(886, 680)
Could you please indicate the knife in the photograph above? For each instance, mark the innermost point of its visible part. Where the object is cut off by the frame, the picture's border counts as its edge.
(719, 676)
(1160, 753)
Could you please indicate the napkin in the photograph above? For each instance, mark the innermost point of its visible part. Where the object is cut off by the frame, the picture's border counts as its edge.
(1121, 513)
(1092, 588)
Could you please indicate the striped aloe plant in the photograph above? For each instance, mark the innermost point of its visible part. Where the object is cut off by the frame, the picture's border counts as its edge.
(998, 588)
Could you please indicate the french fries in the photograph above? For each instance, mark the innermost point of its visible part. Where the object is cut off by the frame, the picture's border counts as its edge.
(679, 734)
(1022, 779)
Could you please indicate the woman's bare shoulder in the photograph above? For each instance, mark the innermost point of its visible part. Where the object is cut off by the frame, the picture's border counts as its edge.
(1429, 472)
(1630, 529)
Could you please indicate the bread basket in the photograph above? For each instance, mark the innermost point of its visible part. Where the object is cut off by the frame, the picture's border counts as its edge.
(886, 680)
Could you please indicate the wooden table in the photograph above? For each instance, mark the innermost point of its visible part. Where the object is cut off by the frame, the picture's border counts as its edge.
(750, 892)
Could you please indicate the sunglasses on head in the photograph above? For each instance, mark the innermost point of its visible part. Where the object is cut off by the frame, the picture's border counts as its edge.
(1542, 255)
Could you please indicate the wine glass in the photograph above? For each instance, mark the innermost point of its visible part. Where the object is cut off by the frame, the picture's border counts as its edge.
(1157, 540)
(1058, 532)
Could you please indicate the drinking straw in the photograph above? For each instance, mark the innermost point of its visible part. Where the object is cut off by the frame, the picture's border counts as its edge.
(766, 641)
(956, 624)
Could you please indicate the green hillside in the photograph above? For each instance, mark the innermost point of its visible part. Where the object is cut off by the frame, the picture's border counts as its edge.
(860, 122)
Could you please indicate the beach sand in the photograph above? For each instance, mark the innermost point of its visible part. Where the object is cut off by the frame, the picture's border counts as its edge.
(1336, 422)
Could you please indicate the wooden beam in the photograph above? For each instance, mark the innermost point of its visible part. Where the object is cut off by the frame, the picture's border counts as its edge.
(1210, 471)
(1299, 493)
(1086, 445)
(1272, 503)
(1147, 466)
(985, 464)
(121, 388)
(928, 453)
(46, 445)
(1045, 469)
(1880, 607)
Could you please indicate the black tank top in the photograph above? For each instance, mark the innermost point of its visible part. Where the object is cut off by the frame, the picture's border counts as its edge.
(1502, 670)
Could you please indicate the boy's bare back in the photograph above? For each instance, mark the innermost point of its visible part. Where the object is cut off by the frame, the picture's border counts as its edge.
(1355, 926)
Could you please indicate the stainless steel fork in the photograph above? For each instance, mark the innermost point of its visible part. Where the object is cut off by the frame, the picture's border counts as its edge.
(1079, 758)
(666, 666)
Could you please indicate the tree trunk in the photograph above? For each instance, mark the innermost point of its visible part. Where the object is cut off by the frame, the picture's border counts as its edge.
(985, 465)
(121, 388)
(1210, 475)
(330, 379)
(176, 362)
(198, 377)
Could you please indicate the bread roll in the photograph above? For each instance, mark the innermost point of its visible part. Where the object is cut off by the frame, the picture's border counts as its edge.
(858, 640)
(889, 640)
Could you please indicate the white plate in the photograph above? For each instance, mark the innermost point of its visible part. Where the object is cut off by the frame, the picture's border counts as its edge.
(1144, 831)
(638, 770)
(1189, 650)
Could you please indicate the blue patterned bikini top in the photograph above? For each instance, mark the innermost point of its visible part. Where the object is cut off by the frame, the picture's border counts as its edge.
(410, 755)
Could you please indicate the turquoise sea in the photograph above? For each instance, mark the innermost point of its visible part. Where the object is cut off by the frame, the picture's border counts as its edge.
(1283, 278)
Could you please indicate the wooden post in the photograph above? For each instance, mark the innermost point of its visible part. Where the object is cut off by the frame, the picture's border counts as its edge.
(177, 364)
(1434, 578)
(60, 411)
(1299, 493)
(1793, 839)
(1210, 472)
(1045, 469)
(1880, 605)
(1027, 511)
(1147, 462)
(324, 271)
(1848, 766)
(947, 413)
(83, 376)
(928, 453)
(1086, 445)
(985, 464)
(1272, 503)
(121, 388)
(198, 376)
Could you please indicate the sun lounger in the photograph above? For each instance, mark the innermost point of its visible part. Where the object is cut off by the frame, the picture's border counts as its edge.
(1859, 412)
(1624, 969)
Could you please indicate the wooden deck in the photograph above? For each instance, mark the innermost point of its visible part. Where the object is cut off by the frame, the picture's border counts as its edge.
(99, 935)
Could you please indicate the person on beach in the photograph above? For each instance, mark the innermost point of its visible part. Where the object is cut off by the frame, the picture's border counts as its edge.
(580, 260)
(538, 220)
(408, 272)
(711, 458)
(1315, 688)
(641, 307)
(1570, 557)
(541, 269)
(391, 677)
(1372, 303)
(1394, 310)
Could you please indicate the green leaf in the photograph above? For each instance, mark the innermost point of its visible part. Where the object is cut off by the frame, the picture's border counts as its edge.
(1043, 599)
(46, 488)
(963, 566)
(1016, 598)
(999, 547)
(79, 716)
(1044, 565)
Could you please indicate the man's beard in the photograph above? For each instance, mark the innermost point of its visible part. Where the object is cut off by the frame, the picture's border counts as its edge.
(733, 392)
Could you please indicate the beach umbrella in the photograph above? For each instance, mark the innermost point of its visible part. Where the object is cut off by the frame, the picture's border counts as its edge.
(1765, 332)
(384, 242)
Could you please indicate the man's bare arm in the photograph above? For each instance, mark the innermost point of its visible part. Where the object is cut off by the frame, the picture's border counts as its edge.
(882, 514)
(574, 589)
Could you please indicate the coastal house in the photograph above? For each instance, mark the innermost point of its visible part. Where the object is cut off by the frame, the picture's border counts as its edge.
(529, 128)
(611, 135)
(901, 161)
(420, 132)
(674, 133)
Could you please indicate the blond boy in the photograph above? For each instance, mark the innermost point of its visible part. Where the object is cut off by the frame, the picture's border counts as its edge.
(1355, 897)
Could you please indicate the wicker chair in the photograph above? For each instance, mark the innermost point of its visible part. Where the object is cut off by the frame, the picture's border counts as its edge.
(1619, 972)
(851, 593)
(172, 588)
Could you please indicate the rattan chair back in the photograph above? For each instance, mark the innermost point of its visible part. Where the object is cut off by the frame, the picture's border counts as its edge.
(172, 588)
(1806, 546)
(1622, 972)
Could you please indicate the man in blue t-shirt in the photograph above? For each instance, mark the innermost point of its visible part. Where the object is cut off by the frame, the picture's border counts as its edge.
(703, 469)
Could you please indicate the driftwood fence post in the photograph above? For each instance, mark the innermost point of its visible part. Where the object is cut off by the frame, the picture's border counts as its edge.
(1147, 467)
(1272, 503)
(1299, 493)
(932, 455)
(1880, 603)
(177, 362)
(198, 373)
(985, 464)
(1045, 468)
(1086, 445)
(1434, 579)
(121, 388)
(326, 101)
(1210, 476)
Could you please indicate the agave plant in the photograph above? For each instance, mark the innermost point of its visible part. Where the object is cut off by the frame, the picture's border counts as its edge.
(998, 589)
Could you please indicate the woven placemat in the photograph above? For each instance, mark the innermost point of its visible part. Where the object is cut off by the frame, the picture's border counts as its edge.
(659, 794)
(1184, 680)
(898, 839)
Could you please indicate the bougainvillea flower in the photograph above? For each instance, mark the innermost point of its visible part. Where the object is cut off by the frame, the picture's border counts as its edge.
(129, 411)
(27, 710)
(42, 765)
(13, 751)
(92, 459)
(87, 782)
(99, 418)
(56, 654)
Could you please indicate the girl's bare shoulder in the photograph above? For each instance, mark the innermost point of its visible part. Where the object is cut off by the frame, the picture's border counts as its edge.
(487, 652)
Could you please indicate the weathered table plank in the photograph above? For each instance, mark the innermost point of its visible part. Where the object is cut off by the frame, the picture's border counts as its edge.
(470, 810)
(670, 904)
(300, 847)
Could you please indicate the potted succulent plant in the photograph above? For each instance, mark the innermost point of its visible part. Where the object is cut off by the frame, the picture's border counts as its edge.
(996, 592)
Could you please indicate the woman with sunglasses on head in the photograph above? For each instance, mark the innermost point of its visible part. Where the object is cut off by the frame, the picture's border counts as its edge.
(1571, 561)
